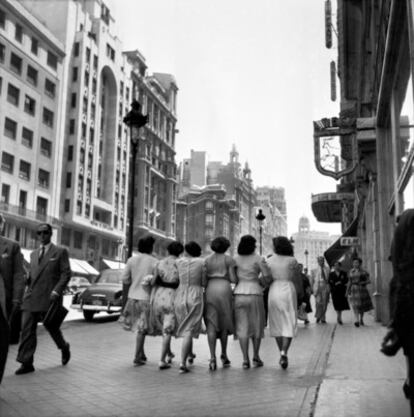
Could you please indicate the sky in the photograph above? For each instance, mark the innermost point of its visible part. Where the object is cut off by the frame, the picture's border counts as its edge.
(253, 74)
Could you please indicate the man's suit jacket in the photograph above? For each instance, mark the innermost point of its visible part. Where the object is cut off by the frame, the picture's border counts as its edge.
(316, 277)
(52, 273)
(11, 274)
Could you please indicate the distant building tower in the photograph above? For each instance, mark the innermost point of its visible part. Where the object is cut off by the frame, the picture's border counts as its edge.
(304, 225)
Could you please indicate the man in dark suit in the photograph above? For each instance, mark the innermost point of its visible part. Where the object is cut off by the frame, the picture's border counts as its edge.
(48, 277)
(11, 290)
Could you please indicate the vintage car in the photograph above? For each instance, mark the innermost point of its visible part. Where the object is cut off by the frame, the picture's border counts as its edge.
(105, 294)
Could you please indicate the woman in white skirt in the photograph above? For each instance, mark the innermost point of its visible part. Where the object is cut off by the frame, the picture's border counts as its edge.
(249, 312)
(282, 296)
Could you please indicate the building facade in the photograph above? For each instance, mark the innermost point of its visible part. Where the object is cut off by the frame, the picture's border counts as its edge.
(375, 131)
(31, 145)
(156, 170)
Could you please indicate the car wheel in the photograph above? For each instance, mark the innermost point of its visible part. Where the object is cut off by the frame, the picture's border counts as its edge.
(88, 315)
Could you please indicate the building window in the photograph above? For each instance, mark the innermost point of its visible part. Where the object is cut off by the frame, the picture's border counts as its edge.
(67, 205)
(5, 193)
(88, 55)
(68, 179)
(48, 117)
(41, 208)
(1, 83)
(52, 60)
(95, 62)
(35, 46)
(27, 138)
(2, 19)
(50, 88)
(73, 100)
(70, 152)
(43, 178)
(110, 52)
(10, 128)
(30, 105)
(7, 162)
(76, 49)
(209, 220)
(24, 170)
(18, 33)
(16, 63)
(75, 74)
(32, 75)
(46, 147)
(72, 126)
(209, 205)
(13, 94)
(2, 52)
(77, 239)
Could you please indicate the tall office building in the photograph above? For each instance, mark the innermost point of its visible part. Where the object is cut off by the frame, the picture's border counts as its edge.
(31, 146)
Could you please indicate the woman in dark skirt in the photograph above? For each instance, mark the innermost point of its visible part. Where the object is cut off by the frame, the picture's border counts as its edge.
(338, 281)
(359, 297)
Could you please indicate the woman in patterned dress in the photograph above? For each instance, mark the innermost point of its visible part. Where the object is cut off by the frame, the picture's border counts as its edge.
(358, 294)
(188, 303)
(218, 313)
(165, 282)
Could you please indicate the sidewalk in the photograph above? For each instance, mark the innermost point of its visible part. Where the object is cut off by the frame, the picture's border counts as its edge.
(359, 380)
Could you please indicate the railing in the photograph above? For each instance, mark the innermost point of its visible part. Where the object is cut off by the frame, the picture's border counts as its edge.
(28, 214)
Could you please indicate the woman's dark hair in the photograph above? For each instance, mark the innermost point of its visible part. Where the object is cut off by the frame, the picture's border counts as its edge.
(220, 244)
(247, 245)
(193, 249)
(146, 244)
(282, 246)
(175, 248)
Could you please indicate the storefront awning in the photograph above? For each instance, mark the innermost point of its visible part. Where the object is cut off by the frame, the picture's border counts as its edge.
(113, 264)
(336, 250)
(79, 267)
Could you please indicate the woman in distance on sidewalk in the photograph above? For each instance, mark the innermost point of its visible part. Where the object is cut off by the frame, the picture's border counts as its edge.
(282, 296)
(218, 312)
(188, 303)
(338, 282)
(249, 312)
(165, 283)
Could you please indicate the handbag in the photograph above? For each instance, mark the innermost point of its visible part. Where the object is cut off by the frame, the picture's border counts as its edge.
(55, 316)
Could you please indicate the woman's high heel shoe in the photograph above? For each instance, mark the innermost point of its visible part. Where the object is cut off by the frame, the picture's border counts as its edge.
(170, 357)
(246, 365)
(191, 358)
(212, 365)
(225, 361)
(283, 361)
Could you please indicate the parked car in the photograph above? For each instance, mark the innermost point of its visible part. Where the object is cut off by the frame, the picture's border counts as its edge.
(105, 294)
(77, 284)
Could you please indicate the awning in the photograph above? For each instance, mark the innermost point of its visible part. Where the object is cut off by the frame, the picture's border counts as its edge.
(336, 250)
(113, 264)
(79, 267)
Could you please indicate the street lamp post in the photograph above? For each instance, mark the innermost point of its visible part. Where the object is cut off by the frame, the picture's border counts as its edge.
(306, 258)
(134, 120)
(260, 217)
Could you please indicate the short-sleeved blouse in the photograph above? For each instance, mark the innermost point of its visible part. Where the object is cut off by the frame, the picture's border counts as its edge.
(248, 271)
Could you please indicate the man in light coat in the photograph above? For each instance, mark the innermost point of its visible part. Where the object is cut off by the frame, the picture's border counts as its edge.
(11, 290)
(321, 291)
(48, 276)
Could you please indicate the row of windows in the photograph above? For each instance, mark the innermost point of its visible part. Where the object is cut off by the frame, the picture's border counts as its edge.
(10, 131)
(52, 59)
(7, 165)
(32, 74)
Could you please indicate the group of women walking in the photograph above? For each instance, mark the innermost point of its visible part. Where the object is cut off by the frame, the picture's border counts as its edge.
(173, 297)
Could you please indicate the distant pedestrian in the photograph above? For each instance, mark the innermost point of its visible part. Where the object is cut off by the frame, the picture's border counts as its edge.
(358, 294)
(249, 314)
(138, 273)
(11, 290)
(48, 277)
(282, 296)
(218, 311)
(320, 288)
(189, 303)
(163, 321)
(304, 304)
(338, 281)
(401, 325)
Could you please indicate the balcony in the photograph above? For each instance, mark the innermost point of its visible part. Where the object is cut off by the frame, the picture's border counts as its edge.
(24, 213)
(327, 207)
